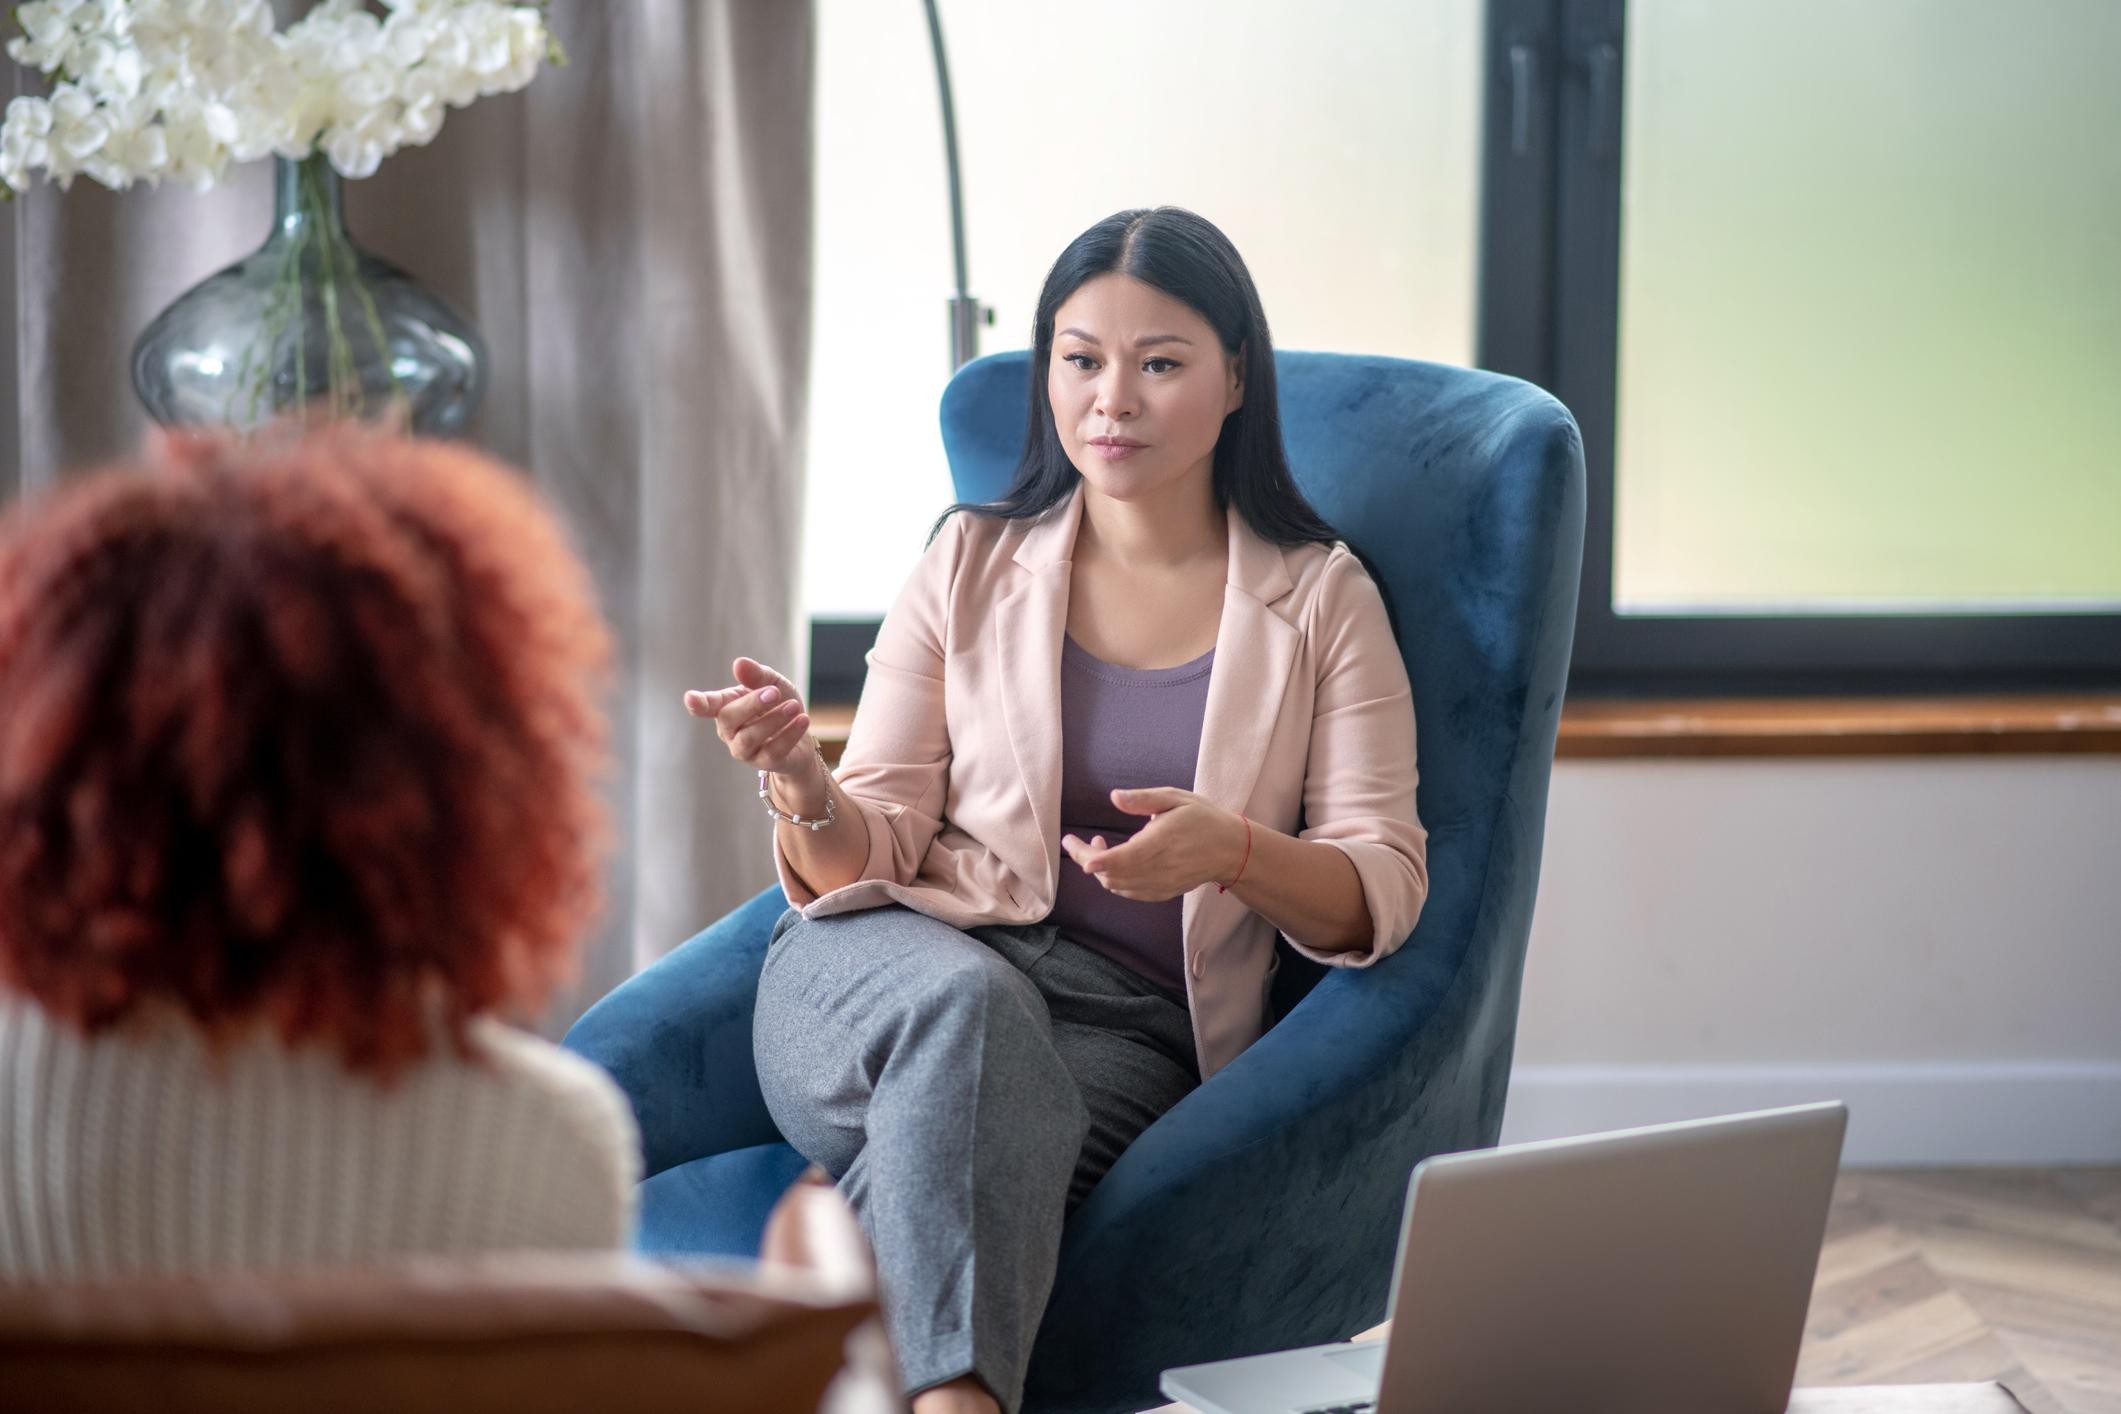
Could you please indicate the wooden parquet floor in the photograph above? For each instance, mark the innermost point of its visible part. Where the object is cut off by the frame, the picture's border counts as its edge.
(1940, 1275)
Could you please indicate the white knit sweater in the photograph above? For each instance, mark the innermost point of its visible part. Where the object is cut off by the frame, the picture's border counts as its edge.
(129, 1153)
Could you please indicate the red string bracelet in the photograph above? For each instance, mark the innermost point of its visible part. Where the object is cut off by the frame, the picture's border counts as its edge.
(1225, 888)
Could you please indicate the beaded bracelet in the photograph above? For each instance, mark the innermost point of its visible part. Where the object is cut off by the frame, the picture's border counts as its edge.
(813, 824)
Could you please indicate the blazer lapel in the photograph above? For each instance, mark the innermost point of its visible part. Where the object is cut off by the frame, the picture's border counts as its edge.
(1254, 649)
(1029, 625)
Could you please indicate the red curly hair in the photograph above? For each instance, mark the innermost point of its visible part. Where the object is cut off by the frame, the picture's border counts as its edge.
(303, 730)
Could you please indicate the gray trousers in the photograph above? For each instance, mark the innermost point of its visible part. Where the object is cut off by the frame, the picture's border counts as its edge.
(967, 1090)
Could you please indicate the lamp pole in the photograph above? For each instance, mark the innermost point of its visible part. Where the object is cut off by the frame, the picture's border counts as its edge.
(967, 314)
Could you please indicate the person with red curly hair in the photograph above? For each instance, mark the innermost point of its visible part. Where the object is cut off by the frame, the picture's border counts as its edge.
(299, 741)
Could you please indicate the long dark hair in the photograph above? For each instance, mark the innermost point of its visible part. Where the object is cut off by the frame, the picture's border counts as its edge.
(1182, 254)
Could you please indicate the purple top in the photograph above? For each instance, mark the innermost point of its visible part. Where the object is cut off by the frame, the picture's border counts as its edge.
(1129, 728)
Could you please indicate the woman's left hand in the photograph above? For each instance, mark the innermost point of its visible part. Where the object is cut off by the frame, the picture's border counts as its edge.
(1189, 841)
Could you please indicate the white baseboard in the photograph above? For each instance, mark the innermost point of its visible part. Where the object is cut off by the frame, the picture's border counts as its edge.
(1914, 1115)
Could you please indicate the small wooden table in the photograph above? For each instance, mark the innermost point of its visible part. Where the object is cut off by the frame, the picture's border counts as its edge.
(1989, 1398)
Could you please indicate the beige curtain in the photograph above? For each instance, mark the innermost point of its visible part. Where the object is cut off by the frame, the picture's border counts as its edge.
(631, 234)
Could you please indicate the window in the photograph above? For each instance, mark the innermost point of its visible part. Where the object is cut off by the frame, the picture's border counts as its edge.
(1832, 290)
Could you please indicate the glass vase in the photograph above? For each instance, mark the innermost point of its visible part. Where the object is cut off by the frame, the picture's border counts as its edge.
(310, 326)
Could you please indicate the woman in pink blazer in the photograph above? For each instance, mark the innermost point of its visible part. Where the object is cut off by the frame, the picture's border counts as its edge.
(1120, 730)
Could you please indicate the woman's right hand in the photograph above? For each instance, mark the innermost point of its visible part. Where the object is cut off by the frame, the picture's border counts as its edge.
(761, 718)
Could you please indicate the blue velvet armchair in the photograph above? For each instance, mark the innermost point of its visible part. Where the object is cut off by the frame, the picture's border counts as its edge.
(1262, 1211)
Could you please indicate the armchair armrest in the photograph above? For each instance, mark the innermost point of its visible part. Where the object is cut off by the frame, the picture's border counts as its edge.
(689, 1070)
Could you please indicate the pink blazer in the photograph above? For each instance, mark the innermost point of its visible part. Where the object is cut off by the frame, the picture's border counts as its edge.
(953, 766)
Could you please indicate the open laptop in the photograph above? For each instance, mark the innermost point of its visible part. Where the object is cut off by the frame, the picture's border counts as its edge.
(1666, 1268)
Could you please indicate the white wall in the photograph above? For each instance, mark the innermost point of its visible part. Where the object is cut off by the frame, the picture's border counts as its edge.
(1936, 940)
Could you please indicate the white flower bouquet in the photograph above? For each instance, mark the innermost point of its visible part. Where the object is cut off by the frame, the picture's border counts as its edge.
(148, 89)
